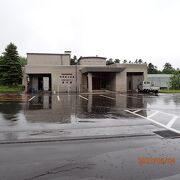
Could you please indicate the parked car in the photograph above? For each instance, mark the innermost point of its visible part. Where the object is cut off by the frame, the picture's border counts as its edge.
(147, 87)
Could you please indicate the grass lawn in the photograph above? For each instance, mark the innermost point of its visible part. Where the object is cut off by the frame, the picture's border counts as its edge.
(170, 91)
(11, 89)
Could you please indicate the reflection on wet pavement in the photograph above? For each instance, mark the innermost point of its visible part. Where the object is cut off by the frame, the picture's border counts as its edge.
(47, 108)
(22, 112)
(14, 97)
(40, 102)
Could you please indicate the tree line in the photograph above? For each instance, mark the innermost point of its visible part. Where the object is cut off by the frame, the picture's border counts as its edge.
(151, 69)
(11, 64)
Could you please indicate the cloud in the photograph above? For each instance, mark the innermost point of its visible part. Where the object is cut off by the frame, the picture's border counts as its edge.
(124, 29)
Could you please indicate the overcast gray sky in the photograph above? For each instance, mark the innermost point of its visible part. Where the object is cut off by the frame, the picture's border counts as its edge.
(124, 29)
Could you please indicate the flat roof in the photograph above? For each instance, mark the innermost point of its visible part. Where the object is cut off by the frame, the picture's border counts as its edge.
(91, 57)
(47, 54)
(160, 75)
(101, 69)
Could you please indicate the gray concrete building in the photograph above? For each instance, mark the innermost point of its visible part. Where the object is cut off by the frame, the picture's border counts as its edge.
(53, 72)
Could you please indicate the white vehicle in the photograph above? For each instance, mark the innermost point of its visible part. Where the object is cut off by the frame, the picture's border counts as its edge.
(147, 87)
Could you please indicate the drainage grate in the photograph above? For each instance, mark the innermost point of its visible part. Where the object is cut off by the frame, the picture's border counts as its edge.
(168, 134)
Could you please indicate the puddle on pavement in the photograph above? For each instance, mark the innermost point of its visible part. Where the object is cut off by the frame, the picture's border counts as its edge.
(17, 112)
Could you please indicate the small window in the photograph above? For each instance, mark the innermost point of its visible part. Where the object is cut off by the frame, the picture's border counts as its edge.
(63, 82)
(70, 82)
(73, 76)
(67, 82)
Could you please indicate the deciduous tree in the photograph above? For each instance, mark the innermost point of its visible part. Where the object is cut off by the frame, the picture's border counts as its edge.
(168, 69)
(23, 61)
(125, 61)
(117, 61)
(152, 69)
(175, 80)
(73, 60)
(110, 61)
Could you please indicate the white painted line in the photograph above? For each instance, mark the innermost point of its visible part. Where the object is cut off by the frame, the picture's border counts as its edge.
(172, 121)
(58, 98)
(155, 122)
(83, 97)
(153, 114)
(161, 113)
(137, 110)
(107, 97)
(31, 98)
(173, 115)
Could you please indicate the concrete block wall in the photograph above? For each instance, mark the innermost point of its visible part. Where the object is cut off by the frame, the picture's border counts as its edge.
(92, 61)
(40, 59)
(121, 78)
(65, 77)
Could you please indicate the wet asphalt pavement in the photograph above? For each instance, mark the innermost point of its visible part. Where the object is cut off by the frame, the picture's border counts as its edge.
(99, 136)
(57, 116)
(110, 159)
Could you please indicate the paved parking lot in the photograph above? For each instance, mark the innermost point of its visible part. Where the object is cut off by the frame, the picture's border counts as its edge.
(100, 136)
(37, 116)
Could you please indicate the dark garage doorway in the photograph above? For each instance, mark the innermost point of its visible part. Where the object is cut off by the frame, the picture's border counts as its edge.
(37, 82)
(103, 81)
(133, 80)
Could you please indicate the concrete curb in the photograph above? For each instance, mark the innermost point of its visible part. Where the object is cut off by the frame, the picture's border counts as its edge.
(75, 138)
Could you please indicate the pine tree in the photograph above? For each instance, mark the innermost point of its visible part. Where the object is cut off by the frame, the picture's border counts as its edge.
(10, 69)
